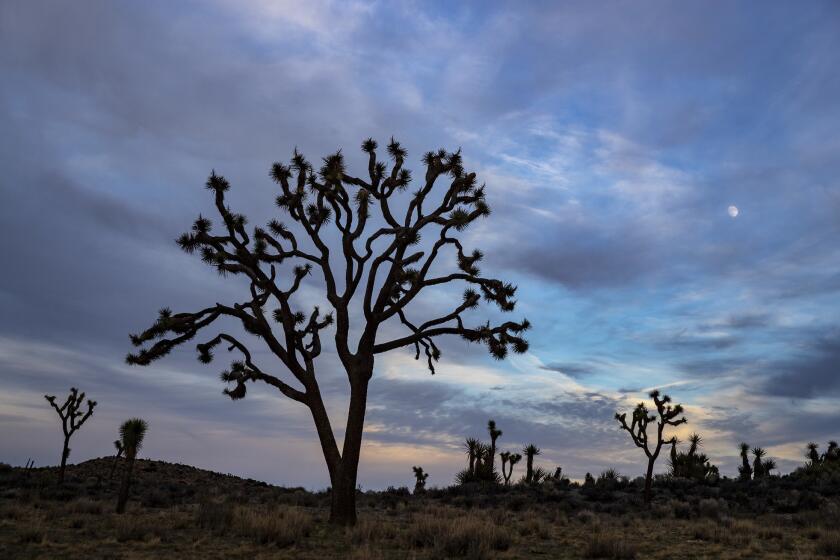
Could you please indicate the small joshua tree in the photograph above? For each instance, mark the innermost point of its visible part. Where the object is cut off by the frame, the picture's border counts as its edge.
(119, 447)
(692, 464)
(759, 466)
(832, 454)
(530, 452)
(71, 420)
(471, 446)
(494, 435)
(509, 459)
(419, 480)
(745, 471)
(132, 433)
(666, 415)
(813, 455)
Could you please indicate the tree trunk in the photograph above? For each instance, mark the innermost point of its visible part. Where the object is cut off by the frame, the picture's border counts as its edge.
(343, 505)
(529, 470)
(65, 453)
(649, 480)
(113, 467)
(126, 483)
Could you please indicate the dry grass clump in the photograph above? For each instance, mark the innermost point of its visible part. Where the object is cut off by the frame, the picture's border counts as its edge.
(731, 532)
(468, 536)
(608, 544)
(281, 526)
(829, 544)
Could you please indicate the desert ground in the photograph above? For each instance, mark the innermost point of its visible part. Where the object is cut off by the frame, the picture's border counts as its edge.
(184, 512)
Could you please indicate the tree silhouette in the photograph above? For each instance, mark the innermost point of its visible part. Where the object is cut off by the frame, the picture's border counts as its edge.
(419, 480)
(494, 435)
(745, 470)
(666, 415)
(71, 420)
(471, 446)
(119, 447)
(132, 433)
(508, 461)
(692, 464)
(530, 452)
(369, 281)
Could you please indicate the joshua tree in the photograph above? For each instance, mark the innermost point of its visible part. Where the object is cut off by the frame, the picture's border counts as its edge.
(368, 280)
(813, 454)
(132, 433)
(530, 452)
(494, 435)
(420, 480)
(832, 453)
(638, 430)
(758, 465)
(745, 471)
(471, 448)
(692, 464)
(509, 459)
(119, 446)
(71, 420)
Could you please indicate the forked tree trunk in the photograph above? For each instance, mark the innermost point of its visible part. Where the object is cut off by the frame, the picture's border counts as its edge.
(343, 505)
(65, 453)
(124, 487)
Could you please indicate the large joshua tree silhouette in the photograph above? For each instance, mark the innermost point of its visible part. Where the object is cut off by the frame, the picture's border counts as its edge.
(71, 420)
(369, 279)
(666, 415)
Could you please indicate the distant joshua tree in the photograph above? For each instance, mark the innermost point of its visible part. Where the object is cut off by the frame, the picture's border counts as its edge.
(369, 279)
(132, 433)
(745, 471)
(812, 454)
(509, 459)
(638, 430)
(419, 480)
(692, 464)
(71, 420)
(494, 435)
(471, 446)
(530, 452)
(119, 447)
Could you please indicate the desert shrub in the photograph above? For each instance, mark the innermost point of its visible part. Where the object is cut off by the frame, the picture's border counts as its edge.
(586, 517)
(466, 536)
(281, 526)
(711, 508)
(602, 544)
(215, 516)
(86, 506)
(31, 533)
(135, 528)
(829, 544)
(534, 525)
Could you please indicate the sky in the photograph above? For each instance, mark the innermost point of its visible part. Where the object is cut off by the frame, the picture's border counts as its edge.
(613, 138)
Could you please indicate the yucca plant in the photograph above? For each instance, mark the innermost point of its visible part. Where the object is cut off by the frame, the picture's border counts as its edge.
(691, 464)
(530, 452)
(745, 471)
(132, 433)
(471, 446)
(758, 463)
(71, 420)
(813, 454)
